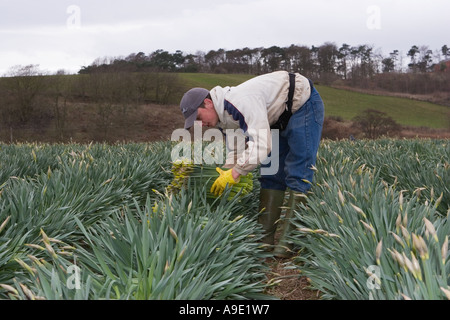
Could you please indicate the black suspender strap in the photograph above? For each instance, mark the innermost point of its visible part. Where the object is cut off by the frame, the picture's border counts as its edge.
(291, 91)
(282, 122)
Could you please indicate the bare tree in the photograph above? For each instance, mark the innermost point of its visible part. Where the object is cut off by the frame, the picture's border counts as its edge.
(60, 91)
(327, 57)
(412, 53)
(24, 85)
(445, 51)
(343, 56)
(375, 123)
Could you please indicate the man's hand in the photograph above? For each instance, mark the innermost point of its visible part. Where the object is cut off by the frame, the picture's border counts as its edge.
(225, 178)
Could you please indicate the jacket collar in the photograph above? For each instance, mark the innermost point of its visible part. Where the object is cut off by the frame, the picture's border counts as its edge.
(218, 98)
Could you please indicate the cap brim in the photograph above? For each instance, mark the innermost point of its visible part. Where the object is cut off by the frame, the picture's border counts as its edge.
(190, 120)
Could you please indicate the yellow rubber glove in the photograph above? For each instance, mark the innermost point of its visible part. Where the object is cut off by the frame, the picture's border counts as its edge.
(225, 178)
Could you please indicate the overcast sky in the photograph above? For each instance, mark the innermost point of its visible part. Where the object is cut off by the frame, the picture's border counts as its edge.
(60, 34)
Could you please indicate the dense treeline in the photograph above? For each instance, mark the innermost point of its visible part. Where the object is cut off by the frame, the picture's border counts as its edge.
(421, 71)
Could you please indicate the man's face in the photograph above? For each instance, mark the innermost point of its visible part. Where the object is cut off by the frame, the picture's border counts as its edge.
(208, 115)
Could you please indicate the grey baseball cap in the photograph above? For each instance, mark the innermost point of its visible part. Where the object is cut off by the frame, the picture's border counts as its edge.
(189, 105)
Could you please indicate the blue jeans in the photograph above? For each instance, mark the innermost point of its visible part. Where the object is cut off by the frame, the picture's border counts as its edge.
(298, 146)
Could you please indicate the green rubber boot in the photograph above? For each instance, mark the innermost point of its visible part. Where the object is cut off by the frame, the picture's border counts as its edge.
(270, 202)
(284, 247)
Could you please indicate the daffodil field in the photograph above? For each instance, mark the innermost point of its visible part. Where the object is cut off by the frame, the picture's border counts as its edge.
(103, 221)
(378, 222)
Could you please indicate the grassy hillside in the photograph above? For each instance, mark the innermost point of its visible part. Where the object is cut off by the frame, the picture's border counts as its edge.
(124, 107)
(348, 104)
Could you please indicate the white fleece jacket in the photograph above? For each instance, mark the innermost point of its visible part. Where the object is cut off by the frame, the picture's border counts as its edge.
(250, 109)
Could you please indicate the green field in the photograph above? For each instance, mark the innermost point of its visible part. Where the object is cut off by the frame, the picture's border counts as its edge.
(408, 112)
(348, 104)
